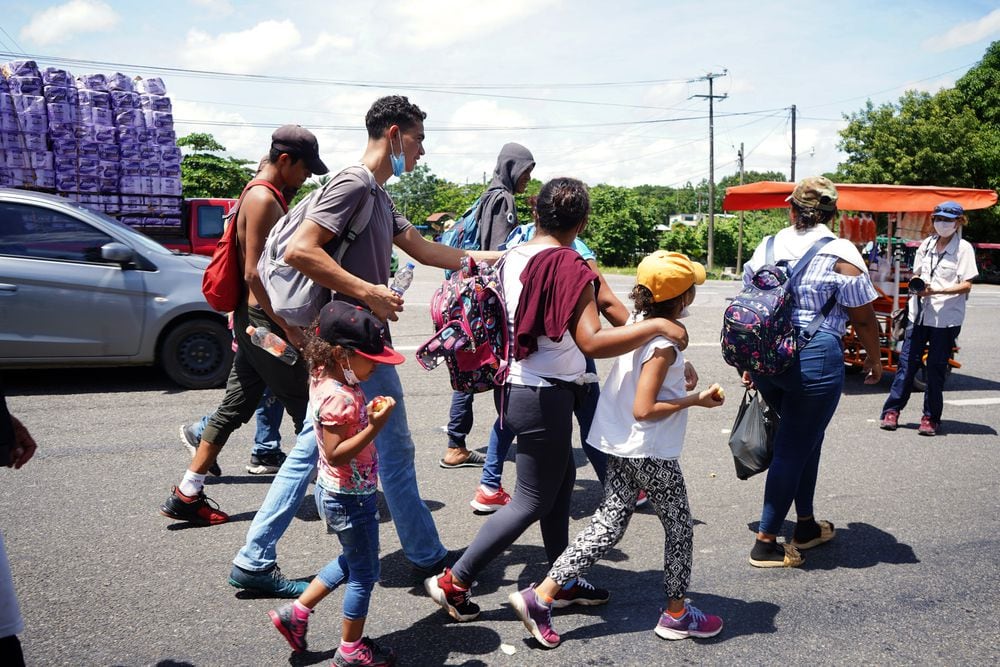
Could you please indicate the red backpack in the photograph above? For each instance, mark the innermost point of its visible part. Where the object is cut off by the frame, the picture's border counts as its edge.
(223, 284)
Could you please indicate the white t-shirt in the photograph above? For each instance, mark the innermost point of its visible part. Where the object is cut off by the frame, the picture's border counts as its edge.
(615, 431)
(561, 360)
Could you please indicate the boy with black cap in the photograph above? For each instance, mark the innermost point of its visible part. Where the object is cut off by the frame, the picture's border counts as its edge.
(293, 156)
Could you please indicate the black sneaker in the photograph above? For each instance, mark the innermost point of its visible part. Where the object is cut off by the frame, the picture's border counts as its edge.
(191, 441)
(200, 509)
(268, 464)
(457, 602)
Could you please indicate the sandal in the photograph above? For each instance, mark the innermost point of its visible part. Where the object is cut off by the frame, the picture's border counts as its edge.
(772, 554)
(821, 532)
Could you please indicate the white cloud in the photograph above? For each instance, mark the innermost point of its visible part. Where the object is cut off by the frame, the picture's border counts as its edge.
(256, 49)
(447, 22)
(326, 42)
(58, 23)
(966, 33)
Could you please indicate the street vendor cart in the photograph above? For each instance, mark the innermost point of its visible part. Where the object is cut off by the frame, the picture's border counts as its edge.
(908, 207)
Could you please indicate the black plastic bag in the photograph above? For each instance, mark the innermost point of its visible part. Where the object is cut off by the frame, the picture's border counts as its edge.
(752, 437)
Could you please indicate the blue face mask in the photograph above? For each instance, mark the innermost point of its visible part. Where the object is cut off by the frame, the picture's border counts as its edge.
(398, 161)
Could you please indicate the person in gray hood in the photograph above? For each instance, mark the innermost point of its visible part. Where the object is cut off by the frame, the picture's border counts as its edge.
(497, 217)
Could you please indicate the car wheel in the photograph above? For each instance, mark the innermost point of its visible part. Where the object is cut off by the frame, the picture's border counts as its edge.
(197, 354)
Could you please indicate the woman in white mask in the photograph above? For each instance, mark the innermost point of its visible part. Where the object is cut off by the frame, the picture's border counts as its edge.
(946, 264)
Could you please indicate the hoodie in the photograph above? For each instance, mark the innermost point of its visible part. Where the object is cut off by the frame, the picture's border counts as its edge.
(497, 213)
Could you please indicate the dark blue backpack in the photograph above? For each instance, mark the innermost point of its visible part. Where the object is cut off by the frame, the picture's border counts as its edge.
(758, 334)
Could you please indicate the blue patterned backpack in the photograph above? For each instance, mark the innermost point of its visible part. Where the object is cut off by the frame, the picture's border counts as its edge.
(758, 334)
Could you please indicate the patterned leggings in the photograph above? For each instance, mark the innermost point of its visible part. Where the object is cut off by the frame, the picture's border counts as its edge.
(664, 485)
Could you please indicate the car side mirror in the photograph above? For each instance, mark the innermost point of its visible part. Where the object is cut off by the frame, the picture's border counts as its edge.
(119, 253)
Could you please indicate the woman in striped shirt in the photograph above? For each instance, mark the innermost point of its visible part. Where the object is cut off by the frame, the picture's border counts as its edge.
(806, 395)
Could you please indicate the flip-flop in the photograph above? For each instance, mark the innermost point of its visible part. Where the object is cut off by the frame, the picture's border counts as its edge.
(826, 533)
(473, 460)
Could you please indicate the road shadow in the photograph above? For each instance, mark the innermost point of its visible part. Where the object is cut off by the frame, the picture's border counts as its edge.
(856, 546)
(233, 518)
(436, 639)
(62, 381)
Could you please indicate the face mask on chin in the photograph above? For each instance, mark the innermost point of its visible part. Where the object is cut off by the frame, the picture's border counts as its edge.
(945, 228)
(398, 162)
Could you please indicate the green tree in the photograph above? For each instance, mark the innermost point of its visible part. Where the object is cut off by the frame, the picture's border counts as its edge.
(414, 193)
(621, 228)
(205, 174)
(950, 138)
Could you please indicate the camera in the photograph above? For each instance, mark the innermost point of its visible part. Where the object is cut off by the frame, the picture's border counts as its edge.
(917, 285)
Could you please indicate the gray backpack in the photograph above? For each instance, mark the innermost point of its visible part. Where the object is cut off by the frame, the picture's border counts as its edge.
(294, 296)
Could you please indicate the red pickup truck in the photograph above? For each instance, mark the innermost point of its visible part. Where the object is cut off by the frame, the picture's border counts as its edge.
(200, 230)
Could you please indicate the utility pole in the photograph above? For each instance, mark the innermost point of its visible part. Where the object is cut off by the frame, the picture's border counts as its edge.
(739, 238)
(710, 77)
(793, 144)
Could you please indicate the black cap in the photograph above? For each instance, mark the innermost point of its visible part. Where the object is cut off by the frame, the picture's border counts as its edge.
(301, 143)
(342, 323)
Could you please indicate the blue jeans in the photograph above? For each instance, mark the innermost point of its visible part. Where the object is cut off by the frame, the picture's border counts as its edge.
(354, 519)
(414, 524)
(805, 397)
(501, 437)
(267, 437)
(940, 341)
(460, 418)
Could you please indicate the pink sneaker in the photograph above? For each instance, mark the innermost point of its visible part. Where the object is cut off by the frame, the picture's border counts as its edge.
(694, 623)
(487, 503)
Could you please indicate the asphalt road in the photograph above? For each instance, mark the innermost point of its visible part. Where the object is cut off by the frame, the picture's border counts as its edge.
(103, 579)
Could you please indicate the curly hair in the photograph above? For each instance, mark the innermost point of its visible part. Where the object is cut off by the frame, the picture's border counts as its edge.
(392, 110)
(667, 309)
(808, 217)
(317, 352)
(563, 203)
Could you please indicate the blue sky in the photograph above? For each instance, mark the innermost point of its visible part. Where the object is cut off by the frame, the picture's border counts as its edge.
(600, 91)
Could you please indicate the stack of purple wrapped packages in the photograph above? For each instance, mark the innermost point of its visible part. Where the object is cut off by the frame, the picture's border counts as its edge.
(105, 141)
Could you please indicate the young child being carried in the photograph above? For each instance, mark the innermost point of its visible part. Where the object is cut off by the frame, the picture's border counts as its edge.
(342, 352)
(640, 423)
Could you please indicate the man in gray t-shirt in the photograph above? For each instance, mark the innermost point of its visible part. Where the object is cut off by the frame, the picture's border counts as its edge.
(395, 144)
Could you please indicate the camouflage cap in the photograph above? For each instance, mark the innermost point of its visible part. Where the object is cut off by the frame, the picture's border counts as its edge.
(815, 192)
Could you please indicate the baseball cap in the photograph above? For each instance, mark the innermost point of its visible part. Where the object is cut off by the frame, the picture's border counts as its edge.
(668, 274)
(301, 143)
(342, 323)
(815, 192)
(948, 209)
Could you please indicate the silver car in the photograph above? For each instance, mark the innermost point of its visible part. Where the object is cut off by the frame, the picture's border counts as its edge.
(78, 288)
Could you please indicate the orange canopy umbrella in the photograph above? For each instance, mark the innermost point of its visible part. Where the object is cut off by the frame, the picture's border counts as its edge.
(860, 197)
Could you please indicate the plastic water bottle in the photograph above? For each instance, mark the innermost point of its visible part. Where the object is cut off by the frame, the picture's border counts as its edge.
(262, 337)
(403, 279)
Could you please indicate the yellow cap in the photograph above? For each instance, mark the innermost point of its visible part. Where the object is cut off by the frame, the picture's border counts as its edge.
(668, 274)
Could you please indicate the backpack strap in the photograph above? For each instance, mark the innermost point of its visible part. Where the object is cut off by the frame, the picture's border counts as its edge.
(807, 334)
(769, 250)
(270, 186)
(359, 221)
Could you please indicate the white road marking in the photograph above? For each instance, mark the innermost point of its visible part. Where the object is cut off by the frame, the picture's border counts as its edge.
(974, 401)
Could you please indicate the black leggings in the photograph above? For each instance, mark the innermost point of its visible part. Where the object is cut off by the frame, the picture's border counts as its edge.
(542, 418)
(10, 651)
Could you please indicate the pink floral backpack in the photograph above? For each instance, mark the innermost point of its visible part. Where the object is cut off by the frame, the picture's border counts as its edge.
(469, 316)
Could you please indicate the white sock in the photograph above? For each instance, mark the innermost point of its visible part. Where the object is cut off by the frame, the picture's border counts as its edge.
(191, 484)
(487, 490)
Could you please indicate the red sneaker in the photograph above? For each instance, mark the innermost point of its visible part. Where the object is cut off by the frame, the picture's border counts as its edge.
(200, 509)
(642, 499)
(487, 503)
(928, 426)
(890, 420)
